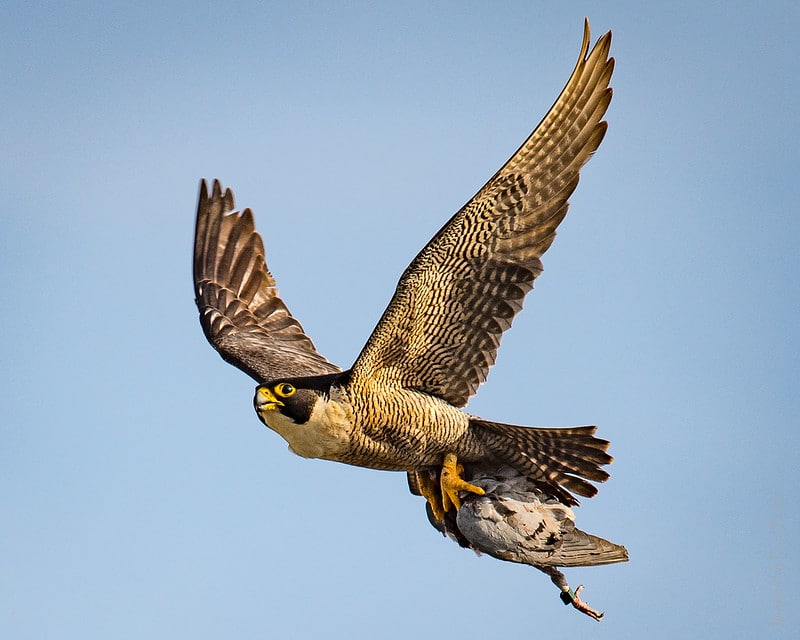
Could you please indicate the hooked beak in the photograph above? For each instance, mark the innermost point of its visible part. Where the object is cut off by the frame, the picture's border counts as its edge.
(265, 400)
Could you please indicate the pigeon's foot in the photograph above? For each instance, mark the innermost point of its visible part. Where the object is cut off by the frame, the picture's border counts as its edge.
(451, 483)
(569, 596)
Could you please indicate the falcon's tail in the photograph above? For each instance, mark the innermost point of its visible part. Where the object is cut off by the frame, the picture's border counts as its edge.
(560, 460)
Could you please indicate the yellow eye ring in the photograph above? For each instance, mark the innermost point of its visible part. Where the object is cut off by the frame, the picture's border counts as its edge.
(284, 390)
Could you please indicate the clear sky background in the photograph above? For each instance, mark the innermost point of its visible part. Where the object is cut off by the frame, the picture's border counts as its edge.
(140, 497)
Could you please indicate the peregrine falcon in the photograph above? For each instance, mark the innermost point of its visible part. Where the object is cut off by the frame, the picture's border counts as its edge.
(400, 405)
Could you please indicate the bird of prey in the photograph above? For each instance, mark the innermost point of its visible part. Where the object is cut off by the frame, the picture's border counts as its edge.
(400, 405)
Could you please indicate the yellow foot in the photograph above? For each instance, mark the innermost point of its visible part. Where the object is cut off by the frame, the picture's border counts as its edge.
(451, 483)
(430, 490)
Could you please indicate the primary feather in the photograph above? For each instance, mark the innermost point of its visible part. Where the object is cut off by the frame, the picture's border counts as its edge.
(399, 406)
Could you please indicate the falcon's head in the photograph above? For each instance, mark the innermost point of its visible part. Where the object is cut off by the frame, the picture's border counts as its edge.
(292, 398)
(302, 411)
(285, 398)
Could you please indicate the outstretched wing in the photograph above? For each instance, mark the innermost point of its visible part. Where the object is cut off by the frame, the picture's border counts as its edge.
(441, 330)
(241, 313)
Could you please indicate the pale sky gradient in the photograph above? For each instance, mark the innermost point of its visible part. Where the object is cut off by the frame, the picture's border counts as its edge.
(140, 497)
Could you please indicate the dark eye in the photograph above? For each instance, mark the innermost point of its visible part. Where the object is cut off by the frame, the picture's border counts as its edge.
(284, 390)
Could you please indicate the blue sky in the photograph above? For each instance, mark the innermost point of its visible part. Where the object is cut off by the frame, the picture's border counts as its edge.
(140, 495)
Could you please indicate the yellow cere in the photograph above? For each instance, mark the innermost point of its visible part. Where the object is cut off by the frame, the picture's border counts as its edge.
(270, 397)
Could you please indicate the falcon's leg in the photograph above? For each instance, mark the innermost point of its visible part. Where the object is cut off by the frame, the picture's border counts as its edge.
(451, 483)
(429, 488)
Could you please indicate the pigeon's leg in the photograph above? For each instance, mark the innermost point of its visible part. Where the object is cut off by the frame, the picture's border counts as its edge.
(451, 483)
(568, 596)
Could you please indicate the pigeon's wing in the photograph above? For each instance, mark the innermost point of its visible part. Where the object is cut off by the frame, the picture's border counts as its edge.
(516, 521)
(241, 312)
(525, 529)
(441, 330)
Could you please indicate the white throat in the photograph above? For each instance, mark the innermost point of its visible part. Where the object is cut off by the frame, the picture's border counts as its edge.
(325, 435)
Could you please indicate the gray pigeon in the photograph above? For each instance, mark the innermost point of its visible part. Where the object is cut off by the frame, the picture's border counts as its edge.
(516, 521)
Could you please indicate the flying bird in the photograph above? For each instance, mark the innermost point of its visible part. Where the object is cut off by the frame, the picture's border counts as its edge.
(400, 405)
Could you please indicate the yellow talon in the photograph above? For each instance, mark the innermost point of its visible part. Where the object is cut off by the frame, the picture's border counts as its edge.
(431, 492)
(451, 483)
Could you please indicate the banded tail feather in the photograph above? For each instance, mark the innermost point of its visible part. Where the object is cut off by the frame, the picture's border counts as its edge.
(562, 460)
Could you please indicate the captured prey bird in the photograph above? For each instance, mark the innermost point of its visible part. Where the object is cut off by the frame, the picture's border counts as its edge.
(514, 520)
(400, 405)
